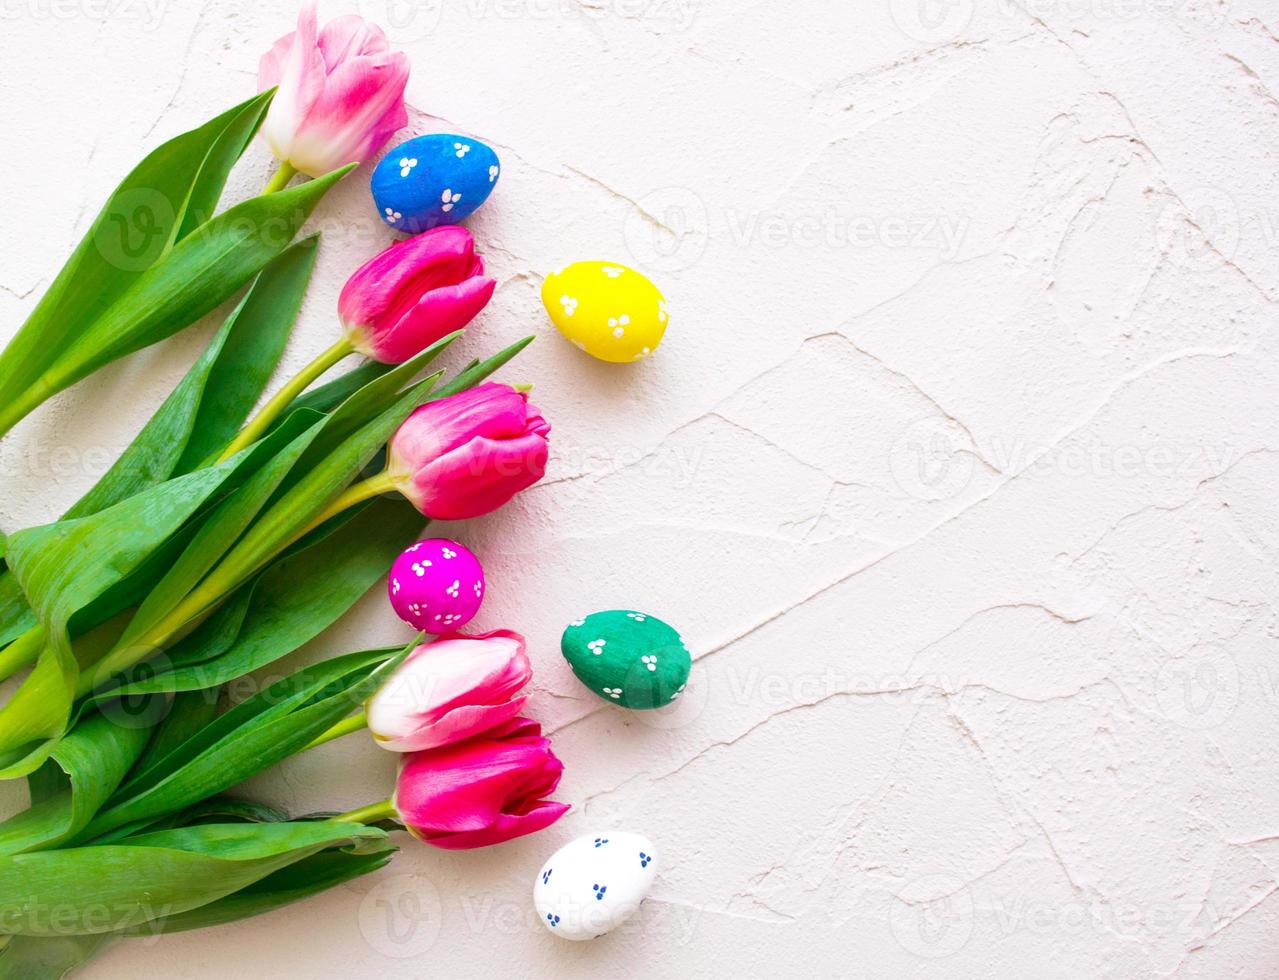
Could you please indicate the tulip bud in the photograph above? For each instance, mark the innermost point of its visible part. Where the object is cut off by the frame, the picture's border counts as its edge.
(482, 791)
(468, 454)
(449, 690)
(413, 293)
(340, 93)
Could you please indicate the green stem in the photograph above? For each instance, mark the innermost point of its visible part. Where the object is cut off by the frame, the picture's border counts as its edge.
(213, 590)
(22, 652)
(373, 813)
(252, 432)
(282, 177)
(357, 493)
(343, 727)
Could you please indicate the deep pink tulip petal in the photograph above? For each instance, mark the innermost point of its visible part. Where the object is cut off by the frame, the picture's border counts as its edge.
(516, 728)
(437, 314)
(433, 258)
(482, 791)
(494, 411)
(506, 827)
(466, 785)
(412, 294)
(380, 296)
(477, 478)
(535, 423)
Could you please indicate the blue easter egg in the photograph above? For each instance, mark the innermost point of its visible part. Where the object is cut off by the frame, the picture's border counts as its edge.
(438, 179)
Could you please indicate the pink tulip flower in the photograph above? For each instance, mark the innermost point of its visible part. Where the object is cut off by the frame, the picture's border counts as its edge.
(413, 293)
(468, 454)
(340, 93)
(449, 690)
(483, 791)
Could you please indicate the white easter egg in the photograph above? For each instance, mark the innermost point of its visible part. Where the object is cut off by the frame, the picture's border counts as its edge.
(593, 884)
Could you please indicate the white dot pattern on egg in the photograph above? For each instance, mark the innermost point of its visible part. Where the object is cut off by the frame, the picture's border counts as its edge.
(439, 592)
(594, 883)
(607, 310)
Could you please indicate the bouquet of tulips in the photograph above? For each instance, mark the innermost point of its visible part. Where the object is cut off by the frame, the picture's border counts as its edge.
(223, 539)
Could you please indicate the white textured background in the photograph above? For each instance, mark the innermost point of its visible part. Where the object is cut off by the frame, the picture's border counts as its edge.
(958, 466)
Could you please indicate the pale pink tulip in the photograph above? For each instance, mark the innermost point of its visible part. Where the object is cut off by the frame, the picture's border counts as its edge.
(340, 93)
(449, 690)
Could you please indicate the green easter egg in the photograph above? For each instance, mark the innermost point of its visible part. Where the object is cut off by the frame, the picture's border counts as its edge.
(628, 658)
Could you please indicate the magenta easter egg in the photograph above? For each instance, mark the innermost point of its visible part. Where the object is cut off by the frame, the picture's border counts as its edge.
(436, 585)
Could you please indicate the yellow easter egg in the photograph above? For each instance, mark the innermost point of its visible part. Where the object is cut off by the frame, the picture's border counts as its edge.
(609, 311)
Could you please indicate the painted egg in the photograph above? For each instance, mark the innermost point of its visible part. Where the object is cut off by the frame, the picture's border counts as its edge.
(628, 658)
(609, 311)
(437, 179)
(436, 585)
(593, 884)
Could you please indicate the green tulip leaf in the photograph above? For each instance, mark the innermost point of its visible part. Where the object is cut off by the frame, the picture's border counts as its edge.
(209, 405)
(187, 713)
(145, 215)
(254, 735)
(262, 324)
(305, 499)
(328, 396)
(211, 179)
(16, 616)
(49, 957)
(66, 566)
(226, 809)
(89, 763)
(215, 536)
(205, 409)
(300, 880)
(292, 602)
(477, 371)
(199, 272)
(377, 396)
(121, 886)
